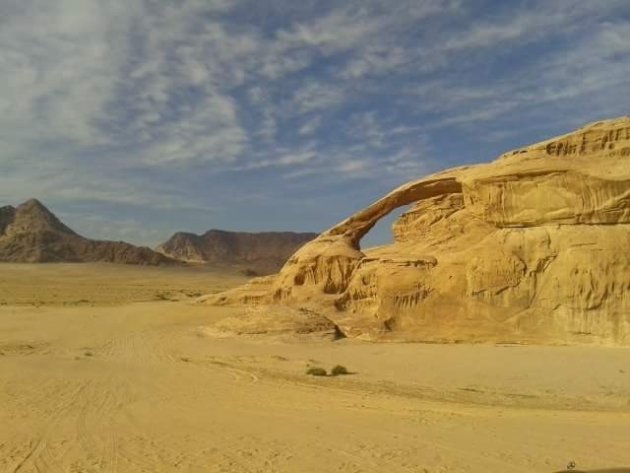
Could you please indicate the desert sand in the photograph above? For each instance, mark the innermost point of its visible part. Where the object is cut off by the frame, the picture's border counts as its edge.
(108, 368)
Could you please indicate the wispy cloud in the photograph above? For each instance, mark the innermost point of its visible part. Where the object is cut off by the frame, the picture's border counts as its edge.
(310, 126)
(156, 105)
(318, 96)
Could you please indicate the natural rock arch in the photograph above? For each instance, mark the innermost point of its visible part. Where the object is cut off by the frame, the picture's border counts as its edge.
(354, 228)
(325, 265)
(533, 246)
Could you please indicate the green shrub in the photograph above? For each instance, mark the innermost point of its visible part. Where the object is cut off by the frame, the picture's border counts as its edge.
(316, 371)
(338, 369)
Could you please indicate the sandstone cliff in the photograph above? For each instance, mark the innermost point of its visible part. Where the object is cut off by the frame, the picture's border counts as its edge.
(263, 252)
(31, 233)
(533, 247)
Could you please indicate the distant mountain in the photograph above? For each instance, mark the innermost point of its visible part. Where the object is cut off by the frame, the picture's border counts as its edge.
(31, 233)
(263, 252)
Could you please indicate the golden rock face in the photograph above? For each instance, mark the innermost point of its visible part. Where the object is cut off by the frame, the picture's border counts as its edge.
(533, 247)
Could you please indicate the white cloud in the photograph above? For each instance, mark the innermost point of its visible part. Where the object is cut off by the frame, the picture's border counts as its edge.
(337, 31)
(528, 25)
(209, 132)
(315, 96)
(376, 61)
(280, 158)
(60, 64)
(366, 128)
(152, 102)
(311, 126)
(353, 166)
(268, 127)
(278, 63)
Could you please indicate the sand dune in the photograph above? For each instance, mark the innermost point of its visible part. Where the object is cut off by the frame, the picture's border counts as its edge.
(138, 387)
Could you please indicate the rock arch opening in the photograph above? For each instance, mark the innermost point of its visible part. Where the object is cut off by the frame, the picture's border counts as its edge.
(382, 233)
(354, 228)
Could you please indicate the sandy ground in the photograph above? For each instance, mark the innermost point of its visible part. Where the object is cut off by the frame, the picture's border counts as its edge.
(107, 284)
(126, 383)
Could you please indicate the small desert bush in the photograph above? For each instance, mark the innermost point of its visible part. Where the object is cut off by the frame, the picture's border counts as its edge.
(316, 371)
(338, 369)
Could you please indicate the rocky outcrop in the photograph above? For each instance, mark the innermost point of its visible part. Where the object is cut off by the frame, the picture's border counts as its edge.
(31, 233)
(533, 247)
(7, 214)
(263, 252)
(279, 322)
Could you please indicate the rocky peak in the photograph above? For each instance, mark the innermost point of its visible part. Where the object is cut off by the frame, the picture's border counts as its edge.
(183, 246)
(33, 216)
(32, 233)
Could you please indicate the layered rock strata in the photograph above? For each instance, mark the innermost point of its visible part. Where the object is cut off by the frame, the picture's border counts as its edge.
(533, 247)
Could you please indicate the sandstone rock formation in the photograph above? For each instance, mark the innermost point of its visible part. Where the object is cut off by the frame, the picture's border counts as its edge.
(280, 323)
(263, 252)
(31, 233)
(533, 247)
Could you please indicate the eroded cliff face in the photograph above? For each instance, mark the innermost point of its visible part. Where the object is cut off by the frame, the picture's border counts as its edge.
(533, 247)
(263, 252)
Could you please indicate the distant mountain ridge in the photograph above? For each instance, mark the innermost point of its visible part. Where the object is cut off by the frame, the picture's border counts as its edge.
(263, 252)
(31, 233)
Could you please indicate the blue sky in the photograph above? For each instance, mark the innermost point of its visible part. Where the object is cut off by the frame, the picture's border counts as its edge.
(133, 119)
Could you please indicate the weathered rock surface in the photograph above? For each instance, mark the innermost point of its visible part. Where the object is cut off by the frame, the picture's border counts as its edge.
(263, 252)
(279, 322)
(31, 233)
(533, 247)
(7, 214)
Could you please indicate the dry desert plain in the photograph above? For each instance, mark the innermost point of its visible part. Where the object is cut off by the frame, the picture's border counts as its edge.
(107, 368)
